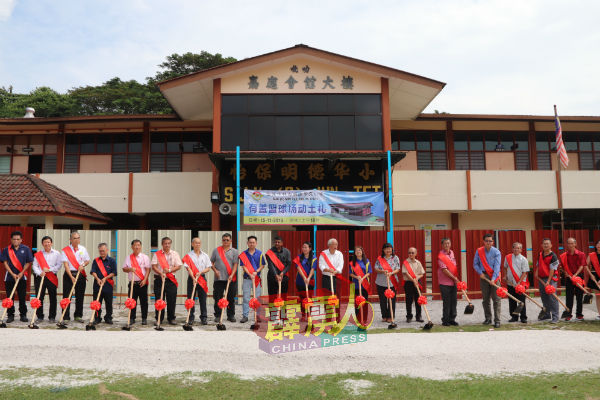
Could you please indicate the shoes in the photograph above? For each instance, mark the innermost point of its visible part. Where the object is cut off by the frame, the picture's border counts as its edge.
(24, 318)
(40, 319)
(580, 317)
(497, 325)
(523, 321)
(543, 317)
(10, 319)
(513, 319)
(445, 324)
(554, 322)
(203, 321)
(244, 319)
(598, 316)
(231, 319)
(96, 321)
(568, 318)
(565, 314)
(419, 319)
(408, 319)
(216, 319)
(144, 322)
(453, 323)
(108, 321)
(78, 319)
(487, 322)
(132, 322)
(51, 320)
(172, 322)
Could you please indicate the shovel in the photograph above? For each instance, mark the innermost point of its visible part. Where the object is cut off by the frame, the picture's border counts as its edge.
(221, 326)
(537, 304)
(469, 308)
(335, 315)
(128, 326)
(393, 325)
(429, 324)
(162, 292)
(91, 326)
(60, 323)
(520, 304)
(3, 324)
(32, 325)
(187, 326)
(556, 297)
(255, 325)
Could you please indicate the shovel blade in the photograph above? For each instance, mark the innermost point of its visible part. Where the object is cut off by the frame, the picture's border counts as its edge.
(392, 326)
(187, 327)
(159, 328)
(587, 298)
(3, 325)
(428, 326)
(34, 326)
(221, 327)
(518, 309)
(469, 308)
(126, 328)
(254, 327)
(61, 325)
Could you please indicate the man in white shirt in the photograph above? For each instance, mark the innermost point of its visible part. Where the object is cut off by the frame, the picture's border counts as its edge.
(197, 263)
(75, 256)
(138, 267)
(331, 263)
(50, 261)
(165, 263)
(516, 269)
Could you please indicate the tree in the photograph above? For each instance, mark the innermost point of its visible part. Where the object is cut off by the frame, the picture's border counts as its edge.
(45, 101)
(177, 65)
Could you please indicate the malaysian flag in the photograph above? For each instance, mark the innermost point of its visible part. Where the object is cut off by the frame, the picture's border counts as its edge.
(560, 146)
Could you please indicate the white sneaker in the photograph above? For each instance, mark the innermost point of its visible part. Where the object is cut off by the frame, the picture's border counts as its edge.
(598, 316)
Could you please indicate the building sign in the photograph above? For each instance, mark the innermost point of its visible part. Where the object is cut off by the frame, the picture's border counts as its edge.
(343, 175)
(346, 82)
(313, 207)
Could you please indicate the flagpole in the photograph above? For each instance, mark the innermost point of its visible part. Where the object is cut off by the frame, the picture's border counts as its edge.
(559, 188)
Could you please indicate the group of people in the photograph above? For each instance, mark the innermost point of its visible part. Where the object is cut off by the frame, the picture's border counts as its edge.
(225, 260)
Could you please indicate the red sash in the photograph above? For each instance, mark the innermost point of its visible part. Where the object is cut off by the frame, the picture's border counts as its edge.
(136, 267)
(44, 265)
(488, 270)
(595, 262)
(103, 270)
(275, 260)
(13, 258)
(449, 264)
(248, 263)
(73, 260)
(411, 272)
(359, 272)
(564, 262)
(386, 266)
(224, 259)
(162, 260)
(544, 268)
(201, 281)
(301, 269)
(514, 274)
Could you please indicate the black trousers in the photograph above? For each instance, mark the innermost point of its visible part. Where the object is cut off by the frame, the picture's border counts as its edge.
(449, 303)
(79, 295)
(201, 298)
(326, 284)
(48, 286)
(140, 295)
(412, 295)
(106, 297)
(218, 291)
(21, 291)
(273, 286)
(384, 302)
(170, 297)
(513, 304)
(572, 290)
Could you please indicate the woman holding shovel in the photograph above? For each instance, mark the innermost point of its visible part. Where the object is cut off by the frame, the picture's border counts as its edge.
(387, 268)
(360, 270)
(412, 271)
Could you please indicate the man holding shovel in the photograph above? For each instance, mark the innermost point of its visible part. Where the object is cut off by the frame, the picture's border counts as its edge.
(104, 269)
(225, 265)
(447, 279)
(487, 264)
(165, 263)
(545, 275)
(197, 263)
(137, 265)
(46, 264)
(516, 268)
(17, 259)
(573, 263)
(75, 257)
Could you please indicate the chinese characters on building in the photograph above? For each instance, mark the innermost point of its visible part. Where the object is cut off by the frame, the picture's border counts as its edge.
(309, 81)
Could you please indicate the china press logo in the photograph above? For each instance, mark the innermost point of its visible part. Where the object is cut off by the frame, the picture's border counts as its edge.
(307, 323)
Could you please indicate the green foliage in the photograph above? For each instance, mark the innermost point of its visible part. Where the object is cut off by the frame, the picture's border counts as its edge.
(112, 97)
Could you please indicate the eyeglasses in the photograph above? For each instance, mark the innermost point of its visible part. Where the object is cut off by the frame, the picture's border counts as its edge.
(489, 241)
(77, 237)
(226, 240)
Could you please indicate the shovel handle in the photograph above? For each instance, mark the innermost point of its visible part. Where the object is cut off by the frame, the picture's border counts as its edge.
(11, 296)
(424, 306)
(508, 294)
(534, 302)
(556, 297)
(34, 311)
(62, 317)
(97, 298)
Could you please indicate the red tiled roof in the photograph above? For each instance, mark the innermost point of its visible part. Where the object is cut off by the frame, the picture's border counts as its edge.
(29, 195)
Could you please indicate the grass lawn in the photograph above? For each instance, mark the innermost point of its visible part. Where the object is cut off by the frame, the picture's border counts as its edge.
(582, 385)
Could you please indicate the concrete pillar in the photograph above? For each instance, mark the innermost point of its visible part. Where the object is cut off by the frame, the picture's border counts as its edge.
(23, 220)
(49, 222)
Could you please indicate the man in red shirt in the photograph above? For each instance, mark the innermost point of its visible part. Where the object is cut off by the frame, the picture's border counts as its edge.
(573, 263)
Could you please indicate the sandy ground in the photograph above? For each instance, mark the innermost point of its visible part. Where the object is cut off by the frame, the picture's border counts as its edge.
(430, 355)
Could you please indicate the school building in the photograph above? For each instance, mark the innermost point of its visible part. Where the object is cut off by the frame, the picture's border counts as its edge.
(306, 118)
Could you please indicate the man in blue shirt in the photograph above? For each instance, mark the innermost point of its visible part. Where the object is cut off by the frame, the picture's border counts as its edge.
(258, 262)
(17, 259)
(104, 269)
(487, 264)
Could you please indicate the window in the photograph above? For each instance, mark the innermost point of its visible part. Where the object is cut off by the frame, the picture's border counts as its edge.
(544, 147)
(301, 122)
(430, 147)
(516, 142)
(589, 151)
(5, 164)
(126, 151)
(166, 148)
(468, 150)
(585, 144)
